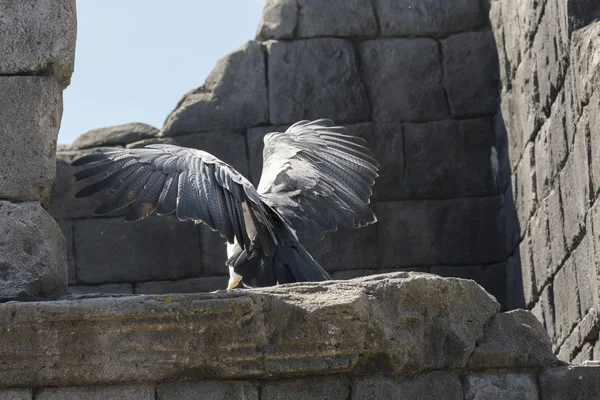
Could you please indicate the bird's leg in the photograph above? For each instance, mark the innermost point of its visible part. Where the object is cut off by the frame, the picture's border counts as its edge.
(234, 279)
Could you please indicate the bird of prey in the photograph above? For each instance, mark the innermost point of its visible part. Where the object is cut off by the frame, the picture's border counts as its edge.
(315, 178)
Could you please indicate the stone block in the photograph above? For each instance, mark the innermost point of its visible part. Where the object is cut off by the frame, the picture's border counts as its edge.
(556, 227)
(585, 269)
(524, 187)
(502, 156)
(410, 234)
(214, 252)
(491, 277)
(575, 191)
(471, 75)
(118, 288)
(449, 159)
(515, 297)
(346, 248)
(550, 50)
(584, 355)
(359, 273)
(545, 310)
(404, 79)
(431, 386)
(38, 38)
(233, 98)
(66, 227)
(192, 285)
(594, 125)
(402, 324)
(576, 383)
(527, 269)
(504, 386)
(110, 250)
(16, 394)
(315, 388)
(114, 135)
(30, 111)
(354, 18)
(541, 247)
(279, 20)
(388, 147)
(530, 346)
(33, 254)
(315, 78)
(428, 17)
(127, 392)
(510, 222)
(584, 58)
(207, 390)
(566, 300)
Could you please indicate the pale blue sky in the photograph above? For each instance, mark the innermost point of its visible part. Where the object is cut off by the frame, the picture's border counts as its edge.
(136, 58)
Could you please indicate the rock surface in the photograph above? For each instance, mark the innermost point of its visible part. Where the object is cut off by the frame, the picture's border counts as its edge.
(114, 135)
(233, 98)
(33, 262)
(38, 36)
(30, 111)
(402, 323)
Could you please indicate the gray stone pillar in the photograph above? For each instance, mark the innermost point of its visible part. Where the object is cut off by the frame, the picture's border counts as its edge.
(37, 48)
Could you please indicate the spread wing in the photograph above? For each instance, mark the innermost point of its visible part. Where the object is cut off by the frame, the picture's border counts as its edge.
(166, 179)
(318, 177)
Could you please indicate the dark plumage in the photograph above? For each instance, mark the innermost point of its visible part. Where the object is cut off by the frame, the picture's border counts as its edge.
(315, 178)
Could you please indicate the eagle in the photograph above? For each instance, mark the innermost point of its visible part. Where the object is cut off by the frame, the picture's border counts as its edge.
(315, 178)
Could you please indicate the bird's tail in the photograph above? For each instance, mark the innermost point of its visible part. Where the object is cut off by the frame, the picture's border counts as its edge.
(290, 263)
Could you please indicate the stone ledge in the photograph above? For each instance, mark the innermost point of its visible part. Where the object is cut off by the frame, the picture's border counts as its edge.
(397, 324)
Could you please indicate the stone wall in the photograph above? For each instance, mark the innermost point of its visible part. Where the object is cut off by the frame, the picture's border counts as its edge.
(420, 83)
(550, 73)
(37, 48)
(412, 336)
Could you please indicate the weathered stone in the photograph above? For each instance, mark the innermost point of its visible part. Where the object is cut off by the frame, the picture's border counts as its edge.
(581, 383)
(515, 298)
(432, 386)
(586, 65)
(114, 135)
(233, 98)
(193, 285)
(409, 232)
(429, 17)
(449, 159)
(334, 388)
(66, 227)
(541, 247)
(152, 249)
(30, 111)
(594, 125)
(332, 18)
(544, 310)
(491, 277)
(585, 269)
(120, 288)
(279, 20)
(574, 190)
(507, 386)
(556, 227)
(16, 394)
(593, 233)
(586, 330)
(404, 79)
(584, 355)
(346, 249)
(524, 187)
(214, 252)
(514, 339)
(359, 273)
(129, 392)
(38, 37)
(315, 78)
(402, 324)
(471, 76)
(208, 390)
(502, 154)
(388, 146)
(566, 300)
(527, 270)
(510, 222)
(33, 263)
